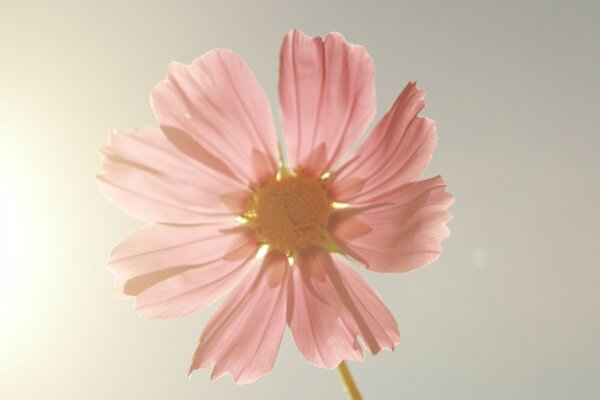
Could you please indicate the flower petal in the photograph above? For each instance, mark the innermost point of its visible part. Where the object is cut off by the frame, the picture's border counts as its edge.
(243, 336)
(148, 177)
(175, 270)
(404, 234)
(216, 104)
(396, 152)
(326, 96)
(366, 314)
(329, 305)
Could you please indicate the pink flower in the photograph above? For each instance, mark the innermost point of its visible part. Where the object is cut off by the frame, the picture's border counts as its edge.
(226, 214)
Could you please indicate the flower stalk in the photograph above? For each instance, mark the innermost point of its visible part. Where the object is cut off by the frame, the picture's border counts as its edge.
(349, 384)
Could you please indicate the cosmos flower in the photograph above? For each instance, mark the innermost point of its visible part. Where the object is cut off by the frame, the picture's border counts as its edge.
(226, 213)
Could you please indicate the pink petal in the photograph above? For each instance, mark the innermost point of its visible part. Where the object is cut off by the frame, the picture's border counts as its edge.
(395, 153)
(152, 180)
(326, 96)
(366, 314)
(174, 270)
(398, 236)
(329, 305)
(215, 111)
(243, 336)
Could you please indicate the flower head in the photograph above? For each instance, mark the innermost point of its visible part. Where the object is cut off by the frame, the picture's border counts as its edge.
(225, 213)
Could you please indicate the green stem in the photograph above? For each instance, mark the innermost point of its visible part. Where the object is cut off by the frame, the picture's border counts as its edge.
(349, 385)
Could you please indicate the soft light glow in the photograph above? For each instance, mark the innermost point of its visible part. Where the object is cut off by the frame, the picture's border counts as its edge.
(11, 235)
(262, 251)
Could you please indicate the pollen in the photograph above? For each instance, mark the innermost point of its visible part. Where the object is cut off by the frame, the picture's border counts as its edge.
(291, 213)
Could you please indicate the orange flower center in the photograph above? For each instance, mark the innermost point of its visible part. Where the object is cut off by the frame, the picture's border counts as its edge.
(291, 213)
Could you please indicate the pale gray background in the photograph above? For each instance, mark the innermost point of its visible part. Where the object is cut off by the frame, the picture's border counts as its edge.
(510, 311)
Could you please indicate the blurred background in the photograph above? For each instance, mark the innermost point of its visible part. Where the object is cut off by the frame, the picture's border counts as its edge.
(510, 310)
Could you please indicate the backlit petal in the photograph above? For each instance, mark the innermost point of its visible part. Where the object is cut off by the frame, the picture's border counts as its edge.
(326, 96)
(174, 270)
(329, 306)
(215, 111)
(400, 235)
(242, 338)
(395, 153)
(146, 175)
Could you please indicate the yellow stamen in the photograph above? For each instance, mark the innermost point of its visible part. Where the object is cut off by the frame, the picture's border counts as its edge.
(262, 251)
(338, 206)
(291, 212)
